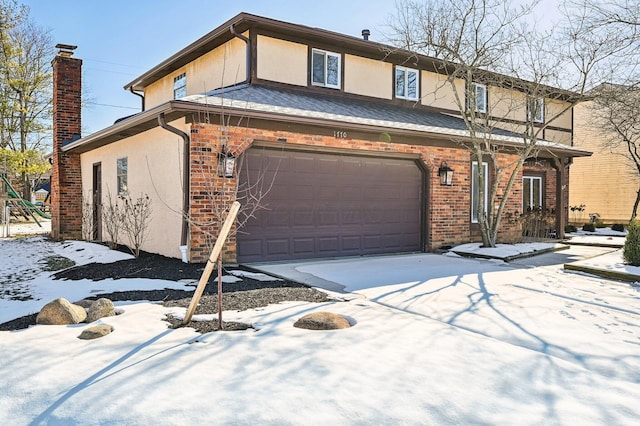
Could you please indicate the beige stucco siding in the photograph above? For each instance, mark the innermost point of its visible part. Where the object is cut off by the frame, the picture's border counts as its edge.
(554, 111)
(368, 77)
(605, 183)
(436, 91)
(558, 136)
(505, 104)
(223, 66)
(282, 61)
(154, 161)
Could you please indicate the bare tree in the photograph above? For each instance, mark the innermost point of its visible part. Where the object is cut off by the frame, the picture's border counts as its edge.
(495, 45)
(136, 215)
(26, 51)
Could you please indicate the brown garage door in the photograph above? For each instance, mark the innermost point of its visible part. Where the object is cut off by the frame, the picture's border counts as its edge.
(325, 205)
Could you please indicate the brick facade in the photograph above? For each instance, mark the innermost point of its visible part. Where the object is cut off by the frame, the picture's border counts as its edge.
(448, 207)
(66, 178)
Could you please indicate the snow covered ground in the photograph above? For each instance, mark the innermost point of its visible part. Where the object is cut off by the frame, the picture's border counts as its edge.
(436, 340)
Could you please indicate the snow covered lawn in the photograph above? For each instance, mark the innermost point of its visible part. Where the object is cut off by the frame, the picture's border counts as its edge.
(436, 340)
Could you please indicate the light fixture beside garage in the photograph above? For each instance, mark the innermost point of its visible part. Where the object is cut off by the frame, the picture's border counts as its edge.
(446, 174)
(226, 163)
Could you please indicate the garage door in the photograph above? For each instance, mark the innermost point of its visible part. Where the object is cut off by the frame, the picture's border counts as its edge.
(326, 205)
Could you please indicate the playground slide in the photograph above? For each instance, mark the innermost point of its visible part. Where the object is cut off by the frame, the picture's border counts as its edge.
(28, 204)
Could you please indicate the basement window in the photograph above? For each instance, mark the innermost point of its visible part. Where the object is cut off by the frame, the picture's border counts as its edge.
(325, 68)
(121, 175)
(180, 86)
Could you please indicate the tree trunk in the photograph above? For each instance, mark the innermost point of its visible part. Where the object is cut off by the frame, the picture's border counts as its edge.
(634, 212)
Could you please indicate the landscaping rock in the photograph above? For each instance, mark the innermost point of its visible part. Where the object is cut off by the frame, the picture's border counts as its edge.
(95, 332)
(99, 309)
(322, 321)
(61, 312)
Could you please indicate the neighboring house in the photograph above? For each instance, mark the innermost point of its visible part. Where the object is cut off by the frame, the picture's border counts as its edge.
(341, 139)
(607, 183)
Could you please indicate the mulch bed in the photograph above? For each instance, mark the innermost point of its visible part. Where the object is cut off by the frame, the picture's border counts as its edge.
(238, 296)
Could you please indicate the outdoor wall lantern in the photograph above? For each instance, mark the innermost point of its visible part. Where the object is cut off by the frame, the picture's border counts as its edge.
(226, 163)
(446, 174)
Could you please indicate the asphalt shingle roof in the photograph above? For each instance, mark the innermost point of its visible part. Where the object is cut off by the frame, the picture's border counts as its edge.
(375, 113)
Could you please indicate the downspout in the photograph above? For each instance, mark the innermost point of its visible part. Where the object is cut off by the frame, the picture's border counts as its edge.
(185, 175)
(138, 94)
(248, 52)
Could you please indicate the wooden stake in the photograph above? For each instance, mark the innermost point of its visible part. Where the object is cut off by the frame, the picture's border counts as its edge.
(215, 253)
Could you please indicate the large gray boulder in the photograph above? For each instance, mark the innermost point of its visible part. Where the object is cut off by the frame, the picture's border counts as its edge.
(61, 312)
(95, 332)
(99, 309)
(322, 321)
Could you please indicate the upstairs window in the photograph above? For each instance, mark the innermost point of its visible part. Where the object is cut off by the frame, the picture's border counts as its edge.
(121, 175)
(180, 86)
(477, 98)
(406, 83)
(536, 110)
(325, 69)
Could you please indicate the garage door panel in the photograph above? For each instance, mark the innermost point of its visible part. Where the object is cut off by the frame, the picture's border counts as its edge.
(328, 245)
(324, 205)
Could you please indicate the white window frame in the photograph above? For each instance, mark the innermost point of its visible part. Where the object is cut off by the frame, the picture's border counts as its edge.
(180, 86)
(326, 54)
(474, 172)
(537, 106)
(122, 172)
(531, 194)
(479, 100)
(405, 84)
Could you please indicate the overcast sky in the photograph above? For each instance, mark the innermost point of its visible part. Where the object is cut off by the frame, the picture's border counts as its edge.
(119, 40)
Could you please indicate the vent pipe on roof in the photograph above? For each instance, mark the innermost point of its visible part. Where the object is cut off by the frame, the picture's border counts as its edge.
(248, 54)
(365, 34)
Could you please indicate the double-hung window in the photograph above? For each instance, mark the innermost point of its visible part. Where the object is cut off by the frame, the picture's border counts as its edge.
(325, 68)
(531, 193)
(477, 97)
(180, 86)
(536, 110)
(475, 190)
(406, 83)
(121, 175)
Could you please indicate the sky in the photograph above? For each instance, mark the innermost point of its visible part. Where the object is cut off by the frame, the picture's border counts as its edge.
(119, 40)
(435, 339)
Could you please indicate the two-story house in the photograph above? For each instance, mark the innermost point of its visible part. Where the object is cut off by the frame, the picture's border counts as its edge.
(335, 145)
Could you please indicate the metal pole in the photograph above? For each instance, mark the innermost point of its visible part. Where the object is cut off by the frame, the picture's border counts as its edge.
(220, 293)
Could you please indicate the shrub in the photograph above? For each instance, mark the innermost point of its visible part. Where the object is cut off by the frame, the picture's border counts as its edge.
(570, 228)
(631, 252)
(600, 224)
(617, 227)
(589, 227)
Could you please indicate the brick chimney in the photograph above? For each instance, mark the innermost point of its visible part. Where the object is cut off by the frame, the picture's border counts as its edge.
(66, 177)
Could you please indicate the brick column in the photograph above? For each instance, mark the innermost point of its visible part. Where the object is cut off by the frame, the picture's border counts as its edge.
(66, 177)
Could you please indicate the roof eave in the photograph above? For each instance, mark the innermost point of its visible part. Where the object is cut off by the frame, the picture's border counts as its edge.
(176, 109)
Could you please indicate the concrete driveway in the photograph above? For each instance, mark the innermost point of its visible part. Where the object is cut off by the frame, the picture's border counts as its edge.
(345, 275)
(352, 274)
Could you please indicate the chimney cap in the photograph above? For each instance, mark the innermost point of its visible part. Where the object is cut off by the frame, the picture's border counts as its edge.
(66, 49)
(365, 34)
